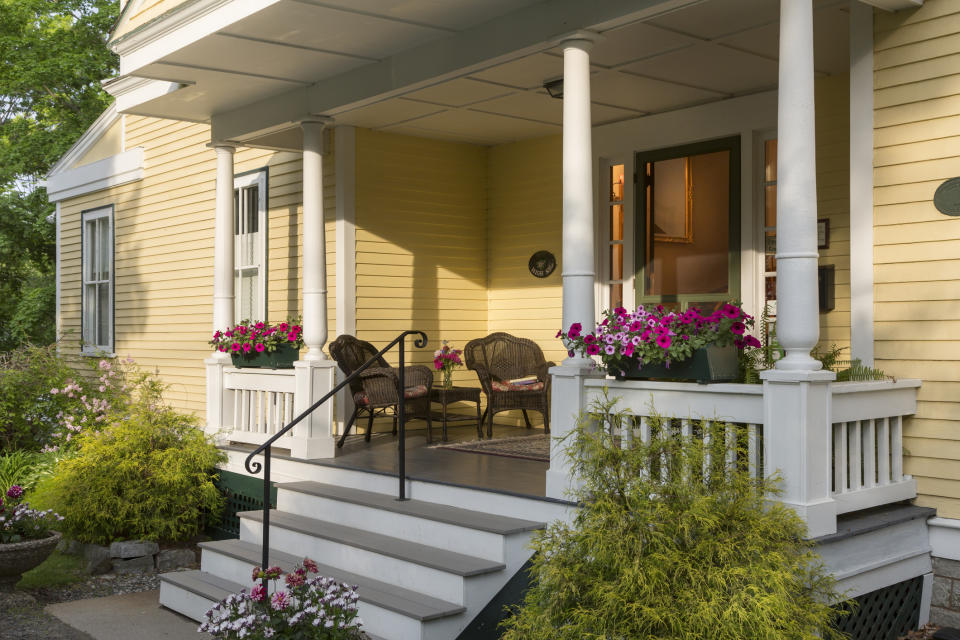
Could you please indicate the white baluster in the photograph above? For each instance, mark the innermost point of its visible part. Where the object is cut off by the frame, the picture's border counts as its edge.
(896, 449)
(707, 426)
(883, 452)
(754, 461)
(856, 455)
(869, 435)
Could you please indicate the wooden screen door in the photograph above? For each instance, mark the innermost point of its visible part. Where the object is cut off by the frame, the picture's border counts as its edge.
(688, 225)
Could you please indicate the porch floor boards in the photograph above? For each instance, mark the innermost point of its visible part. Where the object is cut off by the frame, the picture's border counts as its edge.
(496, 473)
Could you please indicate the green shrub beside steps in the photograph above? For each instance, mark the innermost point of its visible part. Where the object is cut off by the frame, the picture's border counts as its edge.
(699, 556)
(147, 475)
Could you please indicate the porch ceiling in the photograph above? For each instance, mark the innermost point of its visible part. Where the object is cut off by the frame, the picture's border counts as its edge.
(702, 52)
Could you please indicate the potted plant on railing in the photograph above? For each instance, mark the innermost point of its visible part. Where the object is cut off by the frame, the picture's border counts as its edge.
(656, 343)
(258, 344)
(25, 537)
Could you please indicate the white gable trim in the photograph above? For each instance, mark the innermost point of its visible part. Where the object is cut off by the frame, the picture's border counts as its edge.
(116, 170)
(89, 138)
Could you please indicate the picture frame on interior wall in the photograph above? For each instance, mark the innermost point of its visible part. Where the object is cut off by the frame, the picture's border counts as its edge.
(823, 233)
(673, 221)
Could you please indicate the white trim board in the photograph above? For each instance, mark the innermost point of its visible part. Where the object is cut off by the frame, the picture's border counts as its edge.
(86, 142)
(110, 172)
(945, 537)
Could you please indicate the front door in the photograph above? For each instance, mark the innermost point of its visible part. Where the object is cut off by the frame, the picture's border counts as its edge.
(687, 231)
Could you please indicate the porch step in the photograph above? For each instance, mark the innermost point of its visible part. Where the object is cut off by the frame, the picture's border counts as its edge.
(473, 533)
(446, 561)
(201, 590)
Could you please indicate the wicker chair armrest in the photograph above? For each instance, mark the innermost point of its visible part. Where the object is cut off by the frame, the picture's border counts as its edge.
(416, 375)
(484, 375)
(380, 385)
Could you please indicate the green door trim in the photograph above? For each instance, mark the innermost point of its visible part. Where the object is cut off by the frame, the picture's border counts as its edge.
(731, 144)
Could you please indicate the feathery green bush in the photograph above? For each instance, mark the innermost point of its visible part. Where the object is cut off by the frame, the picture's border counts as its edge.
(148, 474)
(700, 555)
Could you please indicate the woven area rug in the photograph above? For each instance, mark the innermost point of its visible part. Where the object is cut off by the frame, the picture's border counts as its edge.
(525, 447)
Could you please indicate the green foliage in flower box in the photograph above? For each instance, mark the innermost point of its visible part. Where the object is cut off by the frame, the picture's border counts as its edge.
(695, 556)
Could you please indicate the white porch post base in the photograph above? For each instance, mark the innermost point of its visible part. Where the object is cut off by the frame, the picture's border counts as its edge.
(797, 436)
(313, 437)
(567, 403)
(219, 401)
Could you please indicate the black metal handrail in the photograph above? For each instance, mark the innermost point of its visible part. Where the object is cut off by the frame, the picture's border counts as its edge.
(254, 467)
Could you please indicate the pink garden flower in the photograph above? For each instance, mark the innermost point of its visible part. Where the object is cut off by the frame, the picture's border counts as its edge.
(259, 348)
(258, 593)
(246, 347)
(280, 601)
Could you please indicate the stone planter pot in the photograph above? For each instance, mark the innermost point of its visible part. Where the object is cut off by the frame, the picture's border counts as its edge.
(282, 358)
(19, 557)
(710, 364)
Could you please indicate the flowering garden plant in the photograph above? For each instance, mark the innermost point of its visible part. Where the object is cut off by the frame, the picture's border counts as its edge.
(19, 523)
(656, 335)
(250, 337)
(315, 608)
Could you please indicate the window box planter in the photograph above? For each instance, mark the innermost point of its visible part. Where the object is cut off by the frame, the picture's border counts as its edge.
(282, 358)
(709, 364)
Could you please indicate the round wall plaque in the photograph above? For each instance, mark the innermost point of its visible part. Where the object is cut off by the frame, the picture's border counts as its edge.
(542, 264)
(947, 197)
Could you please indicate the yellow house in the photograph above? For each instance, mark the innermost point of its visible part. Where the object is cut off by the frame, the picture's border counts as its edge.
(379, 167)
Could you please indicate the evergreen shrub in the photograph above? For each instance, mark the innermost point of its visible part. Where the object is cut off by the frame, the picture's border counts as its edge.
(28, 409)
(148, 474)
(671, 544)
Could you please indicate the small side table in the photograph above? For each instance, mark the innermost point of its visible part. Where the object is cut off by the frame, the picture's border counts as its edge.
(457, 394)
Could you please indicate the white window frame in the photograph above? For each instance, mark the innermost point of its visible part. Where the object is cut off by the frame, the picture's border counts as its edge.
(603, 242)
(258, 178)
(90, 317)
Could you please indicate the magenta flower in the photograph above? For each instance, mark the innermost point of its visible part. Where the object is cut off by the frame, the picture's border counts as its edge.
(280, 601)
(258, 593)
(256, 574)
(292, 336)
(738, 328)
(589, 338)
(663, 341)
(730, 311)
(294, 579)
(259, 348)
(235, 347)
(246, 347)
(15, 492)
(593, 349)
(750, 341)
(310, 565)
(575, 330)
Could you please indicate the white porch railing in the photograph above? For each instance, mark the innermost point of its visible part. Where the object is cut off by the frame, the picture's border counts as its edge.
(263, 402)
(864, 447)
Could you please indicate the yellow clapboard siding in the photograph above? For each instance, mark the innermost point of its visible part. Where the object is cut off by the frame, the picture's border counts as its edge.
(916, 132)
(164, 250)
(934, 19)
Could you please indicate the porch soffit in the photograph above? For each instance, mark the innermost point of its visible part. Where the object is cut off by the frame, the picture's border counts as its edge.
(425, 71)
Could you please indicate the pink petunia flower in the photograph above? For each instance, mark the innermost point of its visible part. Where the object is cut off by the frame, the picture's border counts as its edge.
(292, 336)
(593, 349)
(259, 348)
(575, 330)
(664, 341)
(730, 311)
(246, 347)
(738, 328)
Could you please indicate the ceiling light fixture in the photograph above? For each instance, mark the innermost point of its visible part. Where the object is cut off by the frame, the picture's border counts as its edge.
(554, 87)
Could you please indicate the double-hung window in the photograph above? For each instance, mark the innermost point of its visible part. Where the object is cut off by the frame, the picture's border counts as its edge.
(250, 245)
(98, 279)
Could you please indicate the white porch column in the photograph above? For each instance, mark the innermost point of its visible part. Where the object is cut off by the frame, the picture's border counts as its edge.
(578, 203)
(219, 400)
(313, 437)
(567, 392)
(798, 320)
(796, 395)
(314, 243)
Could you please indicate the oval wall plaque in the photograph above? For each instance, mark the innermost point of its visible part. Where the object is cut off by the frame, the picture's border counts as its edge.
(947, 197)
(542, 264)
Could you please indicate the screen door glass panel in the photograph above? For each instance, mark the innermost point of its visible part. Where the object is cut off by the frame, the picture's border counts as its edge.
(688, 220)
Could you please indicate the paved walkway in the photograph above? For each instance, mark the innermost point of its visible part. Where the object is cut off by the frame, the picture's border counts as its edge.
(132, 615)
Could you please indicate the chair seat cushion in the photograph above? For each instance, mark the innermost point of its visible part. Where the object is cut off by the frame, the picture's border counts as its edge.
(506, 385)
(418, 391)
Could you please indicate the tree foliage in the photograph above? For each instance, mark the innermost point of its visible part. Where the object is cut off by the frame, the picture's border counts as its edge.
(55, 56)
(662, 549)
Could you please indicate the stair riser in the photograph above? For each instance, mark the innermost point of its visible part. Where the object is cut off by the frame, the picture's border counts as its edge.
(481, 544)
(376, 620)
(184, 602)
(432, 582)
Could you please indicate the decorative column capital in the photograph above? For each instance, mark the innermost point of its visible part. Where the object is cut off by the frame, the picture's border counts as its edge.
(322, 121)
(583, 40)
(224, 145)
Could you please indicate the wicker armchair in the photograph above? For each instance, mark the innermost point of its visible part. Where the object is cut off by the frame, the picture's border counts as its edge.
(500, 358)
(374, 391)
